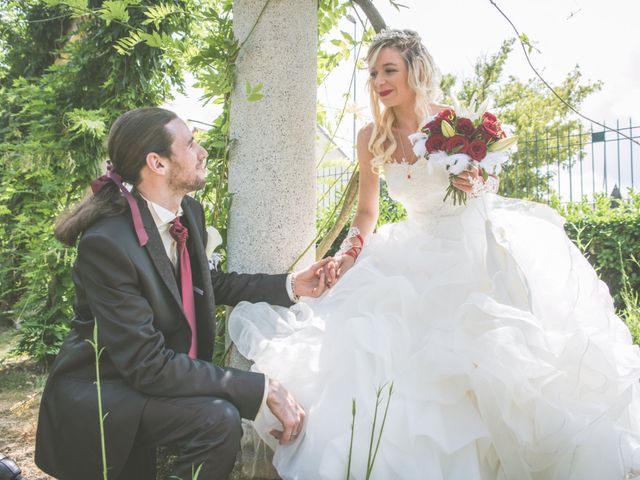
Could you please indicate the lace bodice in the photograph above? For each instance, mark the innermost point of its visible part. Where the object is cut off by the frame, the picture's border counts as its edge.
(420, 188)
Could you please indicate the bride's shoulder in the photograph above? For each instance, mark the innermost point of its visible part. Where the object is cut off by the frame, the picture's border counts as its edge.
(436, 108)
(364, 134)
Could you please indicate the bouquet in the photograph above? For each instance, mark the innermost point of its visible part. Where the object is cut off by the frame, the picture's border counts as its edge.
(460, 142)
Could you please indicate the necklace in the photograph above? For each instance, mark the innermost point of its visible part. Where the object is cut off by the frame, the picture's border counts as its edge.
(404, 159)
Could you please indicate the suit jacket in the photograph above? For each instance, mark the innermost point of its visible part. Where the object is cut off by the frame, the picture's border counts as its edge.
(132, 294)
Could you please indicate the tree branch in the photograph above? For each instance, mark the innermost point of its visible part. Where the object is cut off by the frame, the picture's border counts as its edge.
(546, 84)
(350, 196)
(372, 13)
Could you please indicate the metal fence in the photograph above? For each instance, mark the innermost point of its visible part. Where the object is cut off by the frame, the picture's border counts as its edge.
(575, 164)
(331, 182)
(570, 165)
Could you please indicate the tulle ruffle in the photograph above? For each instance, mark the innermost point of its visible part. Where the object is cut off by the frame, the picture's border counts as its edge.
(506, 357)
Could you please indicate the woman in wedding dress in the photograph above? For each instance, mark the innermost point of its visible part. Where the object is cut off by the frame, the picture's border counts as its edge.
(505, 354)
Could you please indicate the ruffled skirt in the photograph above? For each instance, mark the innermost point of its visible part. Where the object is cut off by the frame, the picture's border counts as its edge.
(504, 354)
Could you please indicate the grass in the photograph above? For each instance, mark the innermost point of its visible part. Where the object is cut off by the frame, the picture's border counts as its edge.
(21, 383)
(17, 373)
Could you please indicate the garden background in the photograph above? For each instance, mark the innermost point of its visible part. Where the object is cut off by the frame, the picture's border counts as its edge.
(69, 68)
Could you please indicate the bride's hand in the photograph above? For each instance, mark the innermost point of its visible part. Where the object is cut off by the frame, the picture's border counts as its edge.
(464, 181)
(343, 263)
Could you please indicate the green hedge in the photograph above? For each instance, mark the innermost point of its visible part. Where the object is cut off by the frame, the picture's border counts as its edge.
(608, 233)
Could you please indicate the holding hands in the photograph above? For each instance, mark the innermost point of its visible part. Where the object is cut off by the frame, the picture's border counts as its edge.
(349, 251)
(317, 277)
(313, 280)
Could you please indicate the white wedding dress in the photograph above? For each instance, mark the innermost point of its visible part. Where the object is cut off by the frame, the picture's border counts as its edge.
(505, 354)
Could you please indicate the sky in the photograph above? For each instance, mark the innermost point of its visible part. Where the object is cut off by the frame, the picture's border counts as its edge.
(602, 37)
(599, 36)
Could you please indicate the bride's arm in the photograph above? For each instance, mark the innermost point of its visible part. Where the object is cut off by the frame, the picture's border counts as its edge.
(366, 217)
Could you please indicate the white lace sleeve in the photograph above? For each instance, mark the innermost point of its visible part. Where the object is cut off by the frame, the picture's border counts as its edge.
(480, 186)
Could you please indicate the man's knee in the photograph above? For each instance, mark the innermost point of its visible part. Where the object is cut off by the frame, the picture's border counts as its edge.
(222, 420)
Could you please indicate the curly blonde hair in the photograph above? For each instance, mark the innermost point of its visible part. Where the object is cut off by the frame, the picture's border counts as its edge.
(423, 78)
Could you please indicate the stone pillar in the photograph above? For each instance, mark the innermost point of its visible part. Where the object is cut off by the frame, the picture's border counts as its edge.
(272, 171)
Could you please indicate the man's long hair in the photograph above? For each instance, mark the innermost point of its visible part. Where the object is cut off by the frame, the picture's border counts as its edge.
(132, 137)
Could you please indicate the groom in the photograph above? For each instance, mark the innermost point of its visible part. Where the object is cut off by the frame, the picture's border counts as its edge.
(142, 278)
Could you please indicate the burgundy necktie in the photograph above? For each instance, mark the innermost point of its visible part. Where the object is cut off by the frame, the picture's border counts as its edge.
(180, 233)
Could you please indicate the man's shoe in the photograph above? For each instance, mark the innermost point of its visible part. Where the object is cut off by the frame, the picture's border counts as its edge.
(9, 470)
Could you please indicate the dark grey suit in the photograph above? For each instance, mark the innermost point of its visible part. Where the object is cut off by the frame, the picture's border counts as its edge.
(132, 294)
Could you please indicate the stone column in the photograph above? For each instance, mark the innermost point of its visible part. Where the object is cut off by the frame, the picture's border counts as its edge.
(272, 172)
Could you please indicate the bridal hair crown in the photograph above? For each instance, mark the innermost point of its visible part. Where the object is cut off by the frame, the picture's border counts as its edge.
(408, 36)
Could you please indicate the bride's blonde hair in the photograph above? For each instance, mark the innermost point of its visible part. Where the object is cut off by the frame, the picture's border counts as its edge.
(423, 78)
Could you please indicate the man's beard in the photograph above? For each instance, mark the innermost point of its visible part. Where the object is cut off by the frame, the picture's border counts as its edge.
(183, 186)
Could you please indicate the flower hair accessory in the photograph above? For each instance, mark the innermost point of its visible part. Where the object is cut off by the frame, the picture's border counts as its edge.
(402, 36)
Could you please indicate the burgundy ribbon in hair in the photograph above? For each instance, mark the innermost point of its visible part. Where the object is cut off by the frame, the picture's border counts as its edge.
(112, 176)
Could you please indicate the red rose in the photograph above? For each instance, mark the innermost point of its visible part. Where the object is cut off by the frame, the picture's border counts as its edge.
(490, 117)
(457, 144)
(477, 150)
(446, 114)
(465, 127)
(491, 129)
(436, 143)
(434, 126)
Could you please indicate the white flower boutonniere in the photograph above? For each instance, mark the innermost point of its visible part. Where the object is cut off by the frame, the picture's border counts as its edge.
(214, 240)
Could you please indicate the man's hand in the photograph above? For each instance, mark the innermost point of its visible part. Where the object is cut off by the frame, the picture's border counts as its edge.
(312, 281)
(285, 408)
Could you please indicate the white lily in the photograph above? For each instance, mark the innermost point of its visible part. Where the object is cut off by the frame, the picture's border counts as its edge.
(439, 158)
(419, 143)
(472, 111)
(458, 162)
(492, 163)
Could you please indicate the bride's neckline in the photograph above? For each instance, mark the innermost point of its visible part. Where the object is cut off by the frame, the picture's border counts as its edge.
(405, 163)
(401, 146)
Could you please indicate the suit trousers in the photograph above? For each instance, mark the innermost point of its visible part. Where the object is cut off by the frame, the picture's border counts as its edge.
(206, 430)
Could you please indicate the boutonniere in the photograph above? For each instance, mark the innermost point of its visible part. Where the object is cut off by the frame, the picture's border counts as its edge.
(214, 240)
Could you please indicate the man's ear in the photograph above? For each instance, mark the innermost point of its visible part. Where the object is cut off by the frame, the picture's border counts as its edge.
(156, 163)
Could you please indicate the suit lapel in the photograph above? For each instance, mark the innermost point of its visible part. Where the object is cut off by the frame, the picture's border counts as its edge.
(158, 255)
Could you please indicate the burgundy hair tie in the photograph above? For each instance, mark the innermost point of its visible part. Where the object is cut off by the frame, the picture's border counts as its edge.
(111, 176)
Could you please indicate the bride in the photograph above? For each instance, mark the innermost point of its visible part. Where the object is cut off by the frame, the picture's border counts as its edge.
(506, 358)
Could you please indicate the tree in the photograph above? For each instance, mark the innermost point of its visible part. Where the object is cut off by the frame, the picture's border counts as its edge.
(531, 110)
(61, 87)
